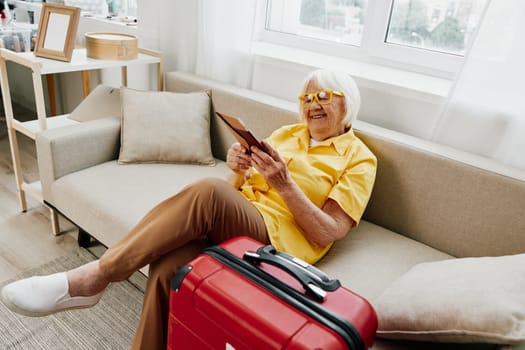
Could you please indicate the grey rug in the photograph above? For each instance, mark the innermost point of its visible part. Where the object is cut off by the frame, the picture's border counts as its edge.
(108, 325)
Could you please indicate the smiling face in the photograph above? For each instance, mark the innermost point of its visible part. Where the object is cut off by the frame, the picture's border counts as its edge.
(323, 120)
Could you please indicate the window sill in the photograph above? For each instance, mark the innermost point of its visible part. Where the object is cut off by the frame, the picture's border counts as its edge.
(371, 75)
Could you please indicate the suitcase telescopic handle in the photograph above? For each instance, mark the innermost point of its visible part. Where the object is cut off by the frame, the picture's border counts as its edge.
(315, 282)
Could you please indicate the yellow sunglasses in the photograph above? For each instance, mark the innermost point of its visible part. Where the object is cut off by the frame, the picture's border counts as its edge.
(323, 97)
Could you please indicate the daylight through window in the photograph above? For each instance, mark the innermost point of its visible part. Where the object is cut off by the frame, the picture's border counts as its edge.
(332, 20)
(122, 7)
(440, 25)
(425, 33)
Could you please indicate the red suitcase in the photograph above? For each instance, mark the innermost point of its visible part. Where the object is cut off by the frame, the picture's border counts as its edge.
(242, 295)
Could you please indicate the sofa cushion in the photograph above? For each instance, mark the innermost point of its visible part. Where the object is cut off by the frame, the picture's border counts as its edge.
(371, 257)
(262, 113)
(165, 127)
(107, 200)
(479, 300)
(103, 101)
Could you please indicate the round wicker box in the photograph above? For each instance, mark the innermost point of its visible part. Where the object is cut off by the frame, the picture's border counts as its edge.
(111, 46)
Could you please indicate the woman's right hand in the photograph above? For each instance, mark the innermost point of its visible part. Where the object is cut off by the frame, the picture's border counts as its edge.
(238, 159)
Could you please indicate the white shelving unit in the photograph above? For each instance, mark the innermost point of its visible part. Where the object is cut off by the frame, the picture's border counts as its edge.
(46, 67)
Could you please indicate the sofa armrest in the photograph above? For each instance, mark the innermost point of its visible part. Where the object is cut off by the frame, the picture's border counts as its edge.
(65, 150)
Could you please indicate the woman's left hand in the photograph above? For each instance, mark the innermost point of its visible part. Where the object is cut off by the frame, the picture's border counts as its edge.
(271, 166)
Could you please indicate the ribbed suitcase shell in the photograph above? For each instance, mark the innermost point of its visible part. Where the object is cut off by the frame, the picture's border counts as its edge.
(214, 306)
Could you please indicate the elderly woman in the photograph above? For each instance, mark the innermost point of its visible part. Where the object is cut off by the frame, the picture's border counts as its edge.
(305, 191)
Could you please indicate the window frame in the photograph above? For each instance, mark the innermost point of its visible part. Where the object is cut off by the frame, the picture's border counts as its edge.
(374, 48)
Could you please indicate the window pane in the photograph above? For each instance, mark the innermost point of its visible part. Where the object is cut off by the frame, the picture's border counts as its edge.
(122, 7)
(333, 20)
(439, 25)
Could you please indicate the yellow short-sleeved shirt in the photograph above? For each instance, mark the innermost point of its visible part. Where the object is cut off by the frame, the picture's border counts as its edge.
(341, 168)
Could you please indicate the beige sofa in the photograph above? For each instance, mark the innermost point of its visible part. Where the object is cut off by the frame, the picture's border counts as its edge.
(429, 203)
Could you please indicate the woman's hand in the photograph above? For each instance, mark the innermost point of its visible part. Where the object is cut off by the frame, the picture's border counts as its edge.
(238, 159)
(271, 166)
(320, 225)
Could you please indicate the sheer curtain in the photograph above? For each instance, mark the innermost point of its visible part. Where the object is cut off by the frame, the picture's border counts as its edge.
(485, 112)
(209, 37)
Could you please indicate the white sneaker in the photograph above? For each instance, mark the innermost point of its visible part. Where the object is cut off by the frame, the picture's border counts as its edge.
(44, 295)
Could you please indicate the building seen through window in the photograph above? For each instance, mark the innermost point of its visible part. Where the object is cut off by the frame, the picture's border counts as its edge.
(440, 25)
(333, 20)
(122, 7)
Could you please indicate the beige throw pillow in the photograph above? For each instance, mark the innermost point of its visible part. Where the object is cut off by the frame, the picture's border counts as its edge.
(478, 300)
(103, 101)
(165, 127)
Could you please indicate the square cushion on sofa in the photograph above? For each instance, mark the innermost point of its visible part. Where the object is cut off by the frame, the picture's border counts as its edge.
(103, 101)
(165, 127)
(476, 300)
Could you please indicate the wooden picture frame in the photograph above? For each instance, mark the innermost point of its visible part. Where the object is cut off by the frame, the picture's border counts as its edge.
(57, 31)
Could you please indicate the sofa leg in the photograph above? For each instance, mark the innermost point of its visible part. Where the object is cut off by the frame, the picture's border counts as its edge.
(55, 227)
(84, 238)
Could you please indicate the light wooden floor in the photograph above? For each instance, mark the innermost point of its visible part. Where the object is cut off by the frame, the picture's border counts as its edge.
(26, 240)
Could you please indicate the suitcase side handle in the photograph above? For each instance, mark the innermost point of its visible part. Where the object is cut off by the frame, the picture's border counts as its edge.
(315, 282)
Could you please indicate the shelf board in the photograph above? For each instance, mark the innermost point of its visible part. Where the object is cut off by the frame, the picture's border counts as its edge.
(79, 61)
(31, 128)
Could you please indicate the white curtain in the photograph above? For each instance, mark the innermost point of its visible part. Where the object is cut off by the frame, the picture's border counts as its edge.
(212, 38)
(485, 112)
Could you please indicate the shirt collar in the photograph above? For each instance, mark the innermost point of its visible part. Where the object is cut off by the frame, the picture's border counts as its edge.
(341, 143)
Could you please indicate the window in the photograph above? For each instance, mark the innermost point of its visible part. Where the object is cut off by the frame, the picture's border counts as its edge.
(120, 10)
(124, 8)
(418, 35)
(337, 20)
(445, 26)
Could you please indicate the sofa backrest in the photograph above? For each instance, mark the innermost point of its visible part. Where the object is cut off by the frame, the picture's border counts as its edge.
(445, 198)
(458, 203)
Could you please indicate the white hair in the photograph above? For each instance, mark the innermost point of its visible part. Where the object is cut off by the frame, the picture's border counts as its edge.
(339, 81)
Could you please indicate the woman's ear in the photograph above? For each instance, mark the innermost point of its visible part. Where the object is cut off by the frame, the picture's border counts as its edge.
(347, 117)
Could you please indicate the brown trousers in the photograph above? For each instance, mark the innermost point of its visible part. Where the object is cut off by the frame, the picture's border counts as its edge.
(170, 235)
